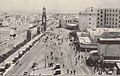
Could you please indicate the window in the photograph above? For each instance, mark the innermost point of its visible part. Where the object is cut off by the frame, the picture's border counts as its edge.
(106, 14)
(105, 10)
(107, 22)
(101, 12)
(101, 20)
(97, 22)
(98, 14)
(110, 10)
(98, 18)
(113, 19)
(90, 23)
(91, 10)
(116, 19)
(101, 23)
(113, 23)
(116, 10)
(90, 14)
(113, 14)
(112, 26)
(113, 10)
(101, 16)
(116, 14)
(89, 18)
(115, 26)
(116, 23)
(110, 14)
(110, 22)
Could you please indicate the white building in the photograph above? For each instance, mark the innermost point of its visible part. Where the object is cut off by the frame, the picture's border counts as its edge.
(88, 18)
(95, 33)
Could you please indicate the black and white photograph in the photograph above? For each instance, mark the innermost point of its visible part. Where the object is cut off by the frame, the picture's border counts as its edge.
(59, 37)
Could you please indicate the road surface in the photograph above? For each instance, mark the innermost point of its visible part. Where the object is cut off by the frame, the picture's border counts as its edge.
(56, 41)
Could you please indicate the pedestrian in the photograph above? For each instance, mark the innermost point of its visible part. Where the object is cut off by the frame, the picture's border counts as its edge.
(52, 58)
(67, 71)
(47, 57)
(61, 53)
(71, 71)
(63, 65)
(74, 72)
(51, 53)
(78, 57)
(20, 64)
(75, 62)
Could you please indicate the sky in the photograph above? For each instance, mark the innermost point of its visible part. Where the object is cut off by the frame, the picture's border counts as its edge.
(65, 6)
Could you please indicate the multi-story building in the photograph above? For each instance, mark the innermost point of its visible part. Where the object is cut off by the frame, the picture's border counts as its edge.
(95, 33)
(103, 18)
(109, 47)
(87, 18)
(109, 18)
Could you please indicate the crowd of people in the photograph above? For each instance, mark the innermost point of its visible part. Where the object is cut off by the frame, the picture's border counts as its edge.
(59, 38)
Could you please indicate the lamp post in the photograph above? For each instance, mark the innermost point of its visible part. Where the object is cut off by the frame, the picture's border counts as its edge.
(45, 60)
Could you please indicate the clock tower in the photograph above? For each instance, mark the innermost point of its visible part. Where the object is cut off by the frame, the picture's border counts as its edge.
(44, 18)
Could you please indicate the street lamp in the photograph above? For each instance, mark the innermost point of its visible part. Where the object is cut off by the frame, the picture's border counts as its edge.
(45, 60)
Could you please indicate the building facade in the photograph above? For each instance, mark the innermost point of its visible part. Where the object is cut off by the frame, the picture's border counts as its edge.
(87, 18)
(109, 18)
(109, 47)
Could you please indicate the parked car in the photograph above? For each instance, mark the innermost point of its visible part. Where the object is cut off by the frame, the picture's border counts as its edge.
(57, 72)
(20, 55)
(57, 66)
(7, 65)
(25, 73)
(34, 65)
(2, 69)
(15, 59)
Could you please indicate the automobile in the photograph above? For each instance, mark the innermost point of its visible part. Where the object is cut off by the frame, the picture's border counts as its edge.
(57, 66)
(23, 52)
(7, 65)
(30, 45)
(20, 55)
(15, 59)
(57, 72)
(110, 72)
(25, 73)
(2, 69)
(34, 65)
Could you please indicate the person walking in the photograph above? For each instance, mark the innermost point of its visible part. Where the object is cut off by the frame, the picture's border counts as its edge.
(71, 71)
(74, 72)
(67, 71)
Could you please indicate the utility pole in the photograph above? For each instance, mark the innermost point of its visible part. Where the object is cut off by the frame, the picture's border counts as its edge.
(45, 61)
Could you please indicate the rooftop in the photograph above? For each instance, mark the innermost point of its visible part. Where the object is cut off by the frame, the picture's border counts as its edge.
(84, 40)
(71, 24)
(109, 40)
(99, 31)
